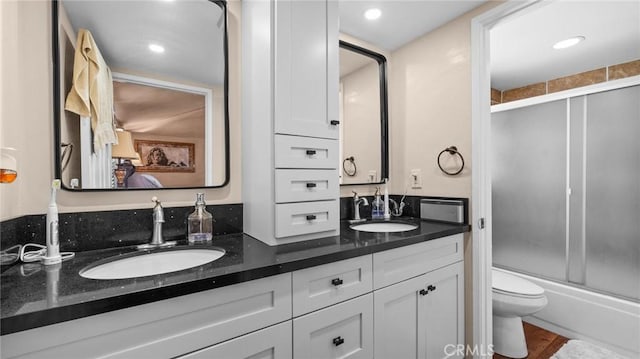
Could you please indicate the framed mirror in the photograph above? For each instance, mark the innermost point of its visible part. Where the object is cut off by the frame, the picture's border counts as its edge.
(141, 94)
(364, 154)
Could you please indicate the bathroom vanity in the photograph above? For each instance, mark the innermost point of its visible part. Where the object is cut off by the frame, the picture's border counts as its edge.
(317, 298)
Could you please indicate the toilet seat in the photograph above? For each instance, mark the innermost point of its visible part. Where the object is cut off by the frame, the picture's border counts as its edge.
(508, 284)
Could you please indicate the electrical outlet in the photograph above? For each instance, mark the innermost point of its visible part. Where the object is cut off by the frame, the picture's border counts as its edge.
(373, 176)
(416, 178)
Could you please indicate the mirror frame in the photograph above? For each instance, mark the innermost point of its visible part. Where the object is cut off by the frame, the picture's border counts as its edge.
(384, 105)
(55, 52)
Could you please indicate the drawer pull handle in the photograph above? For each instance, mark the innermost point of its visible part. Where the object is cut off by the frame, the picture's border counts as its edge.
(311, 217)
(311, 152)
(335, 122)
(423, 292)
(336, 281)
(311, 185)
(431, 288)
(337, 341)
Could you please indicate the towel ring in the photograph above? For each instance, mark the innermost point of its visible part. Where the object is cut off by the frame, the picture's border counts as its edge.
(350, 172)
(453, 150)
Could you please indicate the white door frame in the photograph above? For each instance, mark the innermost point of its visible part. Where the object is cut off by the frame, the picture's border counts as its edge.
(481, 180)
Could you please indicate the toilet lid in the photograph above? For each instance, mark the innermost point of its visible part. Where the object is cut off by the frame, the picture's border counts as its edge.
(511, 284)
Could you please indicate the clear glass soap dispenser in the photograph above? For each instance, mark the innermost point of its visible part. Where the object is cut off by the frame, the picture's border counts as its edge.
(200, 222)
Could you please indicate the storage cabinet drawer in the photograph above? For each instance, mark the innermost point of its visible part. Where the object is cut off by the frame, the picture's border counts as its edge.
(306, 185)
(398, 264)
(294, 219)
(163, 329)
(305, 152)
(321, 286)
(269, 343)
(344, 330)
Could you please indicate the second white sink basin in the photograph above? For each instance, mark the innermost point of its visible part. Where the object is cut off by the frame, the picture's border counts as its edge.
(384, 227)
(152, 263)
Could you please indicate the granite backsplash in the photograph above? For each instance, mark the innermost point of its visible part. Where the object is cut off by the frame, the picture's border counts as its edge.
(98, 230)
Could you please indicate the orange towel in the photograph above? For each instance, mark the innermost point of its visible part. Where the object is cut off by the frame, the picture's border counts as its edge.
(91, 93)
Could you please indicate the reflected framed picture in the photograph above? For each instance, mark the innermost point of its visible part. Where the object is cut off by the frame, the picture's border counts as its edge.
(163, 156)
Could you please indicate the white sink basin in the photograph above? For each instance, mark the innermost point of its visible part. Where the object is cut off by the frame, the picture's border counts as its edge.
(152, 263)
(384, 227)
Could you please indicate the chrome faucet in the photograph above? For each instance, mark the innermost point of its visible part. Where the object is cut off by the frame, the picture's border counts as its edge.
(158, 219)
(357, 201)
(396, 209)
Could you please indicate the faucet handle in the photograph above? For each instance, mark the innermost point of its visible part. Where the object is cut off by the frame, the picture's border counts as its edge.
(158, 214)
(355, 194)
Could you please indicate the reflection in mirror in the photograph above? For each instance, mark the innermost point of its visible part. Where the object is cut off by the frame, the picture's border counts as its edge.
(141, 94)
(363, 113)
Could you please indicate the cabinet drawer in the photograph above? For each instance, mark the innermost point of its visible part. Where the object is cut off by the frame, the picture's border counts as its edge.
(306, 185)
(269, 343)
(344, 330)
(305, 152)
(398, 264)
(293, 219)
(163, 329)
(321, 286)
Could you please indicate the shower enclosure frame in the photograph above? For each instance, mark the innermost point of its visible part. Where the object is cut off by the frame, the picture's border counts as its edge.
(567, 96)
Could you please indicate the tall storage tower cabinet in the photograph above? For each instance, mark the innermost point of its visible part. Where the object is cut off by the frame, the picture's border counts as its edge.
(290, 124)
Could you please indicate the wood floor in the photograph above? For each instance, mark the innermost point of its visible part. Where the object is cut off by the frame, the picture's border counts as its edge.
(541, 344)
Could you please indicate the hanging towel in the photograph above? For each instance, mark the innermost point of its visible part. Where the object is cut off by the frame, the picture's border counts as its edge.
(91, 93)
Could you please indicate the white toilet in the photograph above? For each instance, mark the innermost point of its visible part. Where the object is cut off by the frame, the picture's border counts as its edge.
(513, 298)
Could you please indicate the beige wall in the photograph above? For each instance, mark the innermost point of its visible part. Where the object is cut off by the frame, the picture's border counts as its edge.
(27, 120)
(430, 109)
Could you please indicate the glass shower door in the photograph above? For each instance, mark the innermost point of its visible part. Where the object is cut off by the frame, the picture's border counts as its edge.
(612, 192)
(528, 169)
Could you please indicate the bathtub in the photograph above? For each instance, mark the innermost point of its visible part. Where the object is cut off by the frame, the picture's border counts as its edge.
(580, 314)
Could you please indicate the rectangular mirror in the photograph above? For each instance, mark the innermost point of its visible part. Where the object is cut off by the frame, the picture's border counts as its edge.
(363, 115)
(140, 94)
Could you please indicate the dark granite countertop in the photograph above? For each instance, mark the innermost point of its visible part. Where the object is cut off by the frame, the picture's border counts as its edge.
(34, 295)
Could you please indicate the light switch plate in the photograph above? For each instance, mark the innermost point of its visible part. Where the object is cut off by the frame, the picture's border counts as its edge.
(373, 176)
(416, 178)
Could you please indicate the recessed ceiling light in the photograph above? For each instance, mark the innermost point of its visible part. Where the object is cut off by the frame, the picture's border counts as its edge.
(156, 48)
(568, 42)
(372, 14)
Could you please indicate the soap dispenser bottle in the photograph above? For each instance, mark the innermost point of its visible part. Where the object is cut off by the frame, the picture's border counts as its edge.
(200, 222)
(377, 207)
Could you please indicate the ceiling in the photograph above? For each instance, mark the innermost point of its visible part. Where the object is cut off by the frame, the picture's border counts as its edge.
(189, 31)
(401, 22)
(351, 61)
(522, 53)
(158, 111)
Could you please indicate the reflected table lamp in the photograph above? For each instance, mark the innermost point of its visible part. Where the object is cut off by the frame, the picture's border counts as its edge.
(123, 151)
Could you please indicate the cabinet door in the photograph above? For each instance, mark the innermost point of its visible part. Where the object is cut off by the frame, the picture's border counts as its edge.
(305, 75)
(269, 343)
(422, 317)
(441, 316)
(344, 330)
(396, 309)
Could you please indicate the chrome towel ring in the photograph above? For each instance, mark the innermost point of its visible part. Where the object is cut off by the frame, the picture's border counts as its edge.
(452, 150)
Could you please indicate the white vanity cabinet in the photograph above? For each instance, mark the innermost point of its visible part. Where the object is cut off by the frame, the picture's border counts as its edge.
(290, 119)
(419, 301)
(422, 317)
(406, 302)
